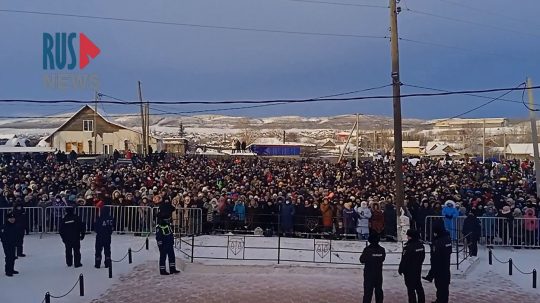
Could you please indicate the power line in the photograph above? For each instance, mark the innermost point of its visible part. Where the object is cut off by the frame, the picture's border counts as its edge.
(419, 12)
(483, 10)
(471, 95)
(193, 25)
(484, 104)
(311, 100)
(339, 3)
(452, 47)
(252, 106)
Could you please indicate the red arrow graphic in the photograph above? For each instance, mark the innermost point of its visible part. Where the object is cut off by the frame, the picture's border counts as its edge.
(86, 48)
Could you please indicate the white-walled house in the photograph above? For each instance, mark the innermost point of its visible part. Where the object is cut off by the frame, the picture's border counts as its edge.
(78, 132)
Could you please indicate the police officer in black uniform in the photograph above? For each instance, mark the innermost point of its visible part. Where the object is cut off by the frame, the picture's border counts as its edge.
(104, 228)
(165, 242)
(441, 251)
(8, 235)
(373, 257)
(72, 231)
(22, 227)
(411, 266)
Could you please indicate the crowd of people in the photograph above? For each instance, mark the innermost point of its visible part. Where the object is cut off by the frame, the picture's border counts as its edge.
(286, 196)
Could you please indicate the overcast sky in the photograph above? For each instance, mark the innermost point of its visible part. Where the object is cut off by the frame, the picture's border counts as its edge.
(498, 48)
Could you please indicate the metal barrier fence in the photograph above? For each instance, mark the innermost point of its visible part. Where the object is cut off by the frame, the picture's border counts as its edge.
(132, 219)
(129, 219)
(495, 231)
(284, 249)
(298, 225)
(33, 217)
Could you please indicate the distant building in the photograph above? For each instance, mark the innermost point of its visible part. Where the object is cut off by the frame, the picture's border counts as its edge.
(521, 151)
(471, 123)
(13, 141)
(276, 147)
(174, 145)
(78, 132)
(440, 149)
(412, 148)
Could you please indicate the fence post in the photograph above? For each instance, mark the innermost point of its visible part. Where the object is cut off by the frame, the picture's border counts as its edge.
(510, 264)
(81, 285)
(279, 249)
(457, 254)
(193, 248)
(490, 257)
(110, 270)
(146, 242)
(47, 297)
(130, 258)
(534, 278)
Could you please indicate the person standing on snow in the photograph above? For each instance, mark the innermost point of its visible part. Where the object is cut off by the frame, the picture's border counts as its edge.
(450, 214)
(104, 228)
(165, 242)
(22, 227)
(364, 215)
(472, 229)
(373, 258)
(441, 251)
(8, 235)
(411, 266)
(72, 231)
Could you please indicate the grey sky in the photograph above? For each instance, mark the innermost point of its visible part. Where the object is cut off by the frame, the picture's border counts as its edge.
(186, 63)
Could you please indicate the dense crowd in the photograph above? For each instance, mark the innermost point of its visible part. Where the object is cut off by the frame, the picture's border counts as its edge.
(297, 195)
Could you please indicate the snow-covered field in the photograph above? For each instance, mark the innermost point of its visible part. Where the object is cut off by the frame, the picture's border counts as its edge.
(44, 269)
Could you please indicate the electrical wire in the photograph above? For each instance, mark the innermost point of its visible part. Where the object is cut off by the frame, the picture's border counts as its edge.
(338, 3)
(484, 104)
(420, 12)
(471, 95)
(483, 10)
(183, 113)
(311, 100)
(453, 47)
(192, 25)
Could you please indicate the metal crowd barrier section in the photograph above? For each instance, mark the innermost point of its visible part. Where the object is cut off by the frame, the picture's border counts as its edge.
(187, 221)
(33, 217)
(518, 232)
(495, 231)
(52, 218)
(132, 219)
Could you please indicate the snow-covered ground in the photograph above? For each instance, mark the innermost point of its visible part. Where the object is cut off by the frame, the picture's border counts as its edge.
(525, 259)
(44, 269)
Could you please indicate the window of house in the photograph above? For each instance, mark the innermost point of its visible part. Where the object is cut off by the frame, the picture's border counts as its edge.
(88, 125)
(107, 149)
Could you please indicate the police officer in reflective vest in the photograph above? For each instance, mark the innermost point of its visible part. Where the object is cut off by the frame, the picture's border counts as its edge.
(165, 242)
(411, 266)
(441, 251)
(373, 258)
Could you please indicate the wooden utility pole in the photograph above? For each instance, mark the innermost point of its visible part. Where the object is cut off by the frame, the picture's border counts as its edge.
(357, 139)
(484, 142)
(396, 84)
(95, 123)
(504, 144)
(534, 136)
(347, 143)
(147, 120)
(143, 120)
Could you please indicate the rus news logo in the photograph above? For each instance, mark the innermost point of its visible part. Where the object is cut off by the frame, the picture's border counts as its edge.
(60, 53)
